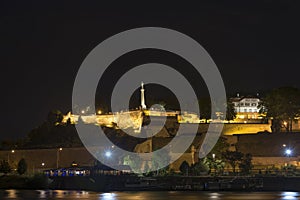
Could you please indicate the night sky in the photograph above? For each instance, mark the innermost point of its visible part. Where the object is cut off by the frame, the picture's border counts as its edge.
(42, 45)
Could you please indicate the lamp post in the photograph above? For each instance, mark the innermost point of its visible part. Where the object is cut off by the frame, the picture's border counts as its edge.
(108, 154)
(57, 157)
(12, 151)
(288, 152)
(214, 163)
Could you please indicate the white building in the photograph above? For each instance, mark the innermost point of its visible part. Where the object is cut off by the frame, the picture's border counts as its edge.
(246, 107)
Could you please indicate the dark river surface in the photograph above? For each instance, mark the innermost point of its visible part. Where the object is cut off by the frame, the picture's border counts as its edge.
(178, 195)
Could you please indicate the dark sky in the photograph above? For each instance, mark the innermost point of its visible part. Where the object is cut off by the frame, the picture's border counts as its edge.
(255, 46)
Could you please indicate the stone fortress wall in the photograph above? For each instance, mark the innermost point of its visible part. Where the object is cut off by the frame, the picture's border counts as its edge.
(41, 159)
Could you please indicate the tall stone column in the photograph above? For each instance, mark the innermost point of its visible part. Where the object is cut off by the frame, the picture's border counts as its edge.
(143, 96)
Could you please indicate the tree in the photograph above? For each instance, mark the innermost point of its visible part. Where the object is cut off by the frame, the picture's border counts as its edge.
(205, 105)
(5, 167)
(160, 161)
(205, 108)
(22, 166)
(134, 162)
(283, 106)
(184, 168)
(246, 164)
(55, 117)
(230, 111)
(199, 168)
(213, 163)
(233, 158)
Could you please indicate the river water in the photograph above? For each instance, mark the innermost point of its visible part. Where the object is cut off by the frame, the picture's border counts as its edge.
(66, 194)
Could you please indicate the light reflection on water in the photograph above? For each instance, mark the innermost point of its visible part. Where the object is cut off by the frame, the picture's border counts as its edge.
(174, 195)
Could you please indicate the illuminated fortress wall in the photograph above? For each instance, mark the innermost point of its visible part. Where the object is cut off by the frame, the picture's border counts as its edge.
(134, 119)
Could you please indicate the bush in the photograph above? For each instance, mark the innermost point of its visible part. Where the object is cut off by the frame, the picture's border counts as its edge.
(5, 167)
(22, 166)
(184, 168)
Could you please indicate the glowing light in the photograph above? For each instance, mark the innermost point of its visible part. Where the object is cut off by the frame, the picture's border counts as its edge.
(108, 154)
(108, 196)
(13, 151)
(289, 195)
(99, 112)
(60, 149)
(288, 152)
(43, 164)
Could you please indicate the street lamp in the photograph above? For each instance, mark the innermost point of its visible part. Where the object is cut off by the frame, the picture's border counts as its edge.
(214, 163)
(57, 157)
(108, 154)
(12, 151)
(288, 152)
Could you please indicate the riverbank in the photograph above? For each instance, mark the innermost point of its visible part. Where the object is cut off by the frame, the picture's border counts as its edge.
(109, 183)
(38, 181)
(177, 195)
(177, 183)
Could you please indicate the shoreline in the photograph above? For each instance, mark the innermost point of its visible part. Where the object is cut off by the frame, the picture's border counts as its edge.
(132, 183)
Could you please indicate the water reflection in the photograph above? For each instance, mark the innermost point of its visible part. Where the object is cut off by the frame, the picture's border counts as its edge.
(215, 195)
(11, 193)
(290, 195)
(175, 195)
(108, 196)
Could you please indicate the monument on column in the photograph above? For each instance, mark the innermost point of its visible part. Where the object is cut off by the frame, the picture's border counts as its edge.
(143, 105)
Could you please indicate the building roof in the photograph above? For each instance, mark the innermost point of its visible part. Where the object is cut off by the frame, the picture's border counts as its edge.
(237, 99)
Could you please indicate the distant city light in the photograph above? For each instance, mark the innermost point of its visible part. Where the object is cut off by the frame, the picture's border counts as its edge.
(13, 151)
(284, 145)
(108, 154)
(43, 164)
(99, 112)
(60, 149)
(288, 152)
